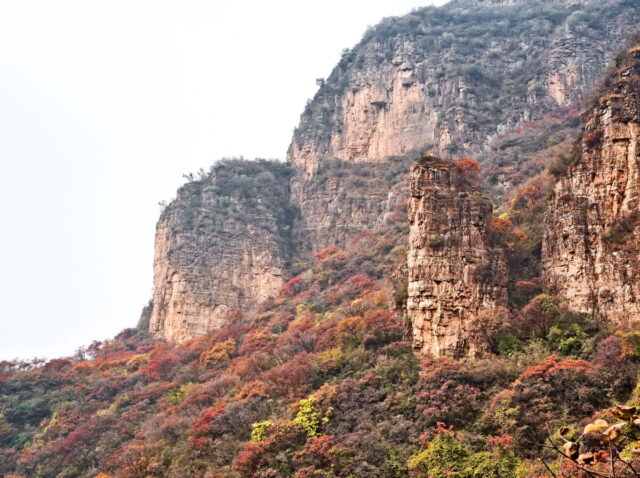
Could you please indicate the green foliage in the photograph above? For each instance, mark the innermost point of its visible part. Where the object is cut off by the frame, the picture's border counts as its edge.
(631, 345)
(485, 273)
(497, 464)
(259, 430)
(176, 395)
(507, 343)
(568, 339)
(447, 457)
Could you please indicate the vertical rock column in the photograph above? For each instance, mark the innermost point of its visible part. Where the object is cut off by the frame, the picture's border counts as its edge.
(454, 273)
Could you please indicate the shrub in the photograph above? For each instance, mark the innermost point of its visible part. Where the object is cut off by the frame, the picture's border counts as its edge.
(218, 354)
(259, 430)
(436, 242)
(507, 343)
(593, 139)
(568, 339)
(177, 394)
(485, 273)
(445, 457)
(309, 418)
(631, 345)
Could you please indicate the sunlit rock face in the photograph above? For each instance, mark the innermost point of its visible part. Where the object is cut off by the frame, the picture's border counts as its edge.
(591, 248)
(447, 80)
(454, 273)
(221, 248)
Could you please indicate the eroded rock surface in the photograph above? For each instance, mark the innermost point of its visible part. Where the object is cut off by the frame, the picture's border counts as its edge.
(455, 275)
(221, 246)
(591, 248)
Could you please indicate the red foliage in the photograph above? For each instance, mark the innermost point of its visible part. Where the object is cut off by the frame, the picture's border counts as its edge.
(202, 425)
(291, 379)
(318, 452)
(292, 287)
(359, 282)
(74, 442)
(257, 340)
(504, 442)
(161, 367)
(258, 455)
(383, 327)
(536, 317)
(593, 139)
(446, 394)
(57, 365)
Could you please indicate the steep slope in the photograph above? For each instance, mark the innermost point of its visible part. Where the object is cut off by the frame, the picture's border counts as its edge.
(592, 240)
(221, 246)
(455, 275)
(448, 80)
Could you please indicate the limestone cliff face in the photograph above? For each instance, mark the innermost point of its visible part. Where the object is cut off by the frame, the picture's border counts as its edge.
(448, 80)
(346, 198)
(591, 249)
(454, 273)
(221, 246)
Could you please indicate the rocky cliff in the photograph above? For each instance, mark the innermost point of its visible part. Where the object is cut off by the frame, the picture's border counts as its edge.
(455, 276)
(452, 80)
(221, 246)
(592, 240)
(447, 80)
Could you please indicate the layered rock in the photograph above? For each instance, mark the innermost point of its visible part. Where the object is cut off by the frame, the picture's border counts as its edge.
(591, 249)
(448, 80)
(221, 246)
(455, 275)
(344, 199)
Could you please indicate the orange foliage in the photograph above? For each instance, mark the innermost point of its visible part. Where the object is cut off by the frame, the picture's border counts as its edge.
(325, 253)
(554, 364)
(468, 165)
(501, 224)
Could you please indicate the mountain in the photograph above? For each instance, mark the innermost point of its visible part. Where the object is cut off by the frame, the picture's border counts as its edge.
(440, 282)
(451, 80)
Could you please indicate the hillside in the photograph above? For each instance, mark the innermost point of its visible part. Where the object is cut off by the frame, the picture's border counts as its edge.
(388, 303)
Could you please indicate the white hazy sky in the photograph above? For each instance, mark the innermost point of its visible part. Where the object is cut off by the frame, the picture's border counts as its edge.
(104, 105)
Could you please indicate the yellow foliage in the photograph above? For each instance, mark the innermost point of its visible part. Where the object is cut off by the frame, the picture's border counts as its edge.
(137, 361)
(219, 353)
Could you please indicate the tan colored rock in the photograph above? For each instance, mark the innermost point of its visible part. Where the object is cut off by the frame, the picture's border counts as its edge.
(454, 273)
(399, 94)
(222, 246)
(591, 248)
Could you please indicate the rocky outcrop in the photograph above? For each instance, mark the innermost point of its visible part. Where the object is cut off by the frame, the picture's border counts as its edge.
(591, 248)
(345, 198)
(455, 276)
(221, 246)
(448, 80)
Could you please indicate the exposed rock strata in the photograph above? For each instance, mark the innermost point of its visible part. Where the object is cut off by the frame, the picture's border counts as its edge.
(591, 248)
(221, 246)
(440, 80)
(454, 273)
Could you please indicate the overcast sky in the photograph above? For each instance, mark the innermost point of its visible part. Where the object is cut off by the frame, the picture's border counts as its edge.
(104, 105)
